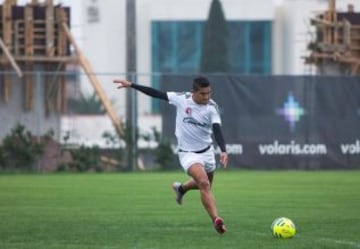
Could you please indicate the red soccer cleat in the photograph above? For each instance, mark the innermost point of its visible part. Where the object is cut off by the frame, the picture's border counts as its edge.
(219, 225)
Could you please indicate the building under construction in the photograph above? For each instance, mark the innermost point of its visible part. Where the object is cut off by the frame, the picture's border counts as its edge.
(35, 42)
(336, 47)
(32, 39)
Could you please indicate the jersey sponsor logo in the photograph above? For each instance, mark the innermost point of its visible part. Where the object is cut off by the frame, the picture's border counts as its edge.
(191, 120)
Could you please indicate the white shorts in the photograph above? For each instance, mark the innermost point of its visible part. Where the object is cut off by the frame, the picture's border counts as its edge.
(206, 159)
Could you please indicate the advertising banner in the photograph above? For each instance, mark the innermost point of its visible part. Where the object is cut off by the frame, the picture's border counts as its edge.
(282, 122)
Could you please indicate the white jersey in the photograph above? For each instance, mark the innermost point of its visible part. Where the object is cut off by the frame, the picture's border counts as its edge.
(193, 121)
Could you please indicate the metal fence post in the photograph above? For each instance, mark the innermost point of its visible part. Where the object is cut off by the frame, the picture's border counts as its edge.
(132, 126)
(38, 106)
(131, 117)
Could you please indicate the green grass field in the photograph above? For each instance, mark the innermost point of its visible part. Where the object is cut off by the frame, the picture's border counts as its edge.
(137, 210)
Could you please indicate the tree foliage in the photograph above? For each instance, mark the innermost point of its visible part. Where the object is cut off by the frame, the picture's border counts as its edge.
(215, 49)
(20, 149)
(86, 105)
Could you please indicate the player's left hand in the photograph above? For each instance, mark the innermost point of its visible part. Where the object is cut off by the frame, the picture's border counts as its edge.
(224, 159)
(122, 83)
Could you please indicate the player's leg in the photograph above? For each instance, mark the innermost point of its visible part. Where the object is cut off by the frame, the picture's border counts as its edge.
(181, 188)
(191, 184)
(199, 176)
(186, 161)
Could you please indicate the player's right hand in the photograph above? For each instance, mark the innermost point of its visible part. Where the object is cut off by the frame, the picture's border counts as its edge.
(224, 159)
(122, 83)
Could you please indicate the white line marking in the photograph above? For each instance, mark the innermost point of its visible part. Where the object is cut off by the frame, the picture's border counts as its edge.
(343, 242)
(328, 240)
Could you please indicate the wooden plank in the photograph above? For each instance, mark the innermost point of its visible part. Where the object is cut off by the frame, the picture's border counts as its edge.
(28, 88)
(7, 40)
(61, 97)
(330, 17)
(47, 102)
(67, 59)
(333, 18)
(7, 23)
(10, 58)
(332, 5)
(51, 88)
(50, 32)
(29, 51)
(335, 57)
(6, 85)
(331, 48)
(17, 37)
(61, 16)
(54, 87)
(29, 32)
(2, 85)
(12, 2)
(324, 23)
(346, 36)
(86, 66)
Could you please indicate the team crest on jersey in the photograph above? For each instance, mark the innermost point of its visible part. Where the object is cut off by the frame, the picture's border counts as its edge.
(188, 111)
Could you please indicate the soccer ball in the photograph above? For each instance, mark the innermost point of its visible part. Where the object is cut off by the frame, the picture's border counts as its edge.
(283, 228)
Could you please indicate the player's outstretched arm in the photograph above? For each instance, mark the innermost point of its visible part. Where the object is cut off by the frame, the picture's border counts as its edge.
(144, 89)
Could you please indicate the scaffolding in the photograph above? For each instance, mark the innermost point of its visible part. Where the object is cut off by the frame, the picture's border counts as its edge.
(38, 35)
(31, 36)
(337, 40)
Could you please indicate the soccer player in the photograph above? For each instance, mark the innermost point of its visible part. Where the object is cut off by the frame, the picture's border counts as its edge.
(197, 118)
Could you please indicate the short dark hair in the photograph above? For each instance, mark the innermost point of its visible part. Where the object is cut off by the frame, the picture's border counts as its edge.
(200, 82)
